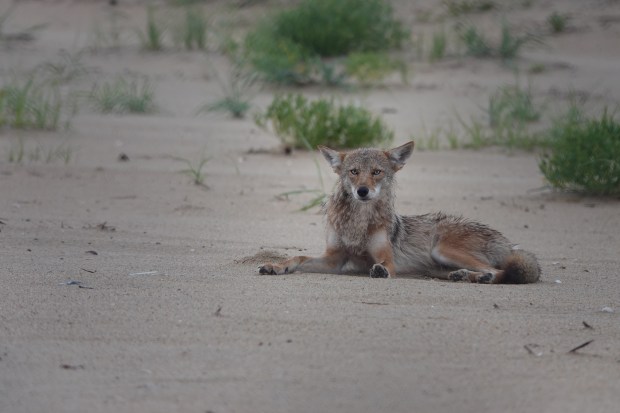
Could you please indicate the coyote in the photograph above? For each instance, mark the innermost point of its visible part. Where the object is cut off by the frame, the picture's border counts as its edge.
(365, 233)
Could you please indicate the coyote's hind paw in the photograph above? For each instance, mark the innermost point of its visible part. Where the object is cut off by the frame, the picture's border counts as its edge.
(472, 276)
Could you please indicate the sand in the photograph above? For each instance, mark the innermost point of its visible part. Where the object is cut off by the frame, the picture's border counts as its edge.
(127, 288)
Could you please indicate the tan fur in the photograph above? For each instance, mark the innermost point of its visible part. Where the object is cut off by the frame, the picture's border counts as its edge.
(364, 233)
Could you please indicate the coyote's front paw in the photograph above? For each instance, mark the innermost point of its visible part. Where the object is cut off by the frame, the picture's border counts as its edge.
(272, 269)
(379, 271)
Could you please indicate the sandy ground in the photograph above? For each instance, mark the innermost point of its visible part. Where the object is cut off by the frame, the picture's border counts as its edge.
(170, 315)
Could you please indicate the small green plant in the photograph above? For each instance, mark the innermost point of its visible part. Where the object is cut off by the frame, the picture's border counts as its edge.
(438, 46)
(369, 68)
(435, 138)
(476, 134)
(511, 104)
(16, 152)
(584, 154)
(459, 7)
(509, 47)
(557, 22)
(66, 67)
(195, 171)
(331, 73)
(26, 104)
(19, 153)
(508, 134)
(475, 42)
(152, 38)
(122, 95)
(300, 123)
(192, 32)
(237, 93)
(511, 44)
(537, 68)
(318, 196)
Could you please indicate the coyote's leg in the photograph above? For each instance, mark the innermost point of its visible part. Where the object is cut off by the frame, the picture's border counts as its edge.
(470, 268)
(380, 250)
(329, 263)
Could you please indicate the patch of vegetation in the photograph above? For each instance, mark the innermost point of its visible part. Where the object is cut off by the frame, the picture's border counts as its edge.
(27, 104)
(287, 47)
(64, 68)
(584, 154)
(512, 124)
(369, 68)
(537, 68)
(134, 95)
(277, 59)
(459, 7)
(512, 104)
(237, 93)
(508, 48)
(300, 123)
(511, 44)
(432, 139)
(19, 153)
(192, 31)
(152, 38)
(195, 171)
(328, 28)
(317, 196)
(476, 44)
(557, 22)
(438, 46)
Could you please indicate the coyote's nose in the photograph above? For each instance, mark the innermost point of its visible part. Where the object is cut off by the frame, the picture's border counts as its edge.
(362, 191)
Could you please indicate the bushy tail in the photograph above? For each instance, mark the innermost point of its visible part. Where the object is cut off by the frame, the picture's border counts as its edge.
(520, 267)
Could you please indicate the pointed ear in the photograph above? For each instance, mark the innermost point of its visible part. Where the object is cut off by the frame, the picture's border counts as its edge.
(398, 156)
(334, 158)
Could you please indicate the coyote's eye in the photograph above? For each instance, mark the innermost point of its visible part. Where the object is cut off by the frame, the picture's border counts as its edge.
(377, 171)
(354, 171)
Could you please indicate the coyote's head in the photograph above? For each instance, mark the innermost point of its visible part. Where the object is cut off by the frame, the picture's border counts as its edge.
(363, 172)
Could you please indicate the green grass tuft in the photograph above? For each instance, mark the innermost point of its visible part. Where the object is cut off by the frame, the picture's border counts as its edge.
(557, 22)
(300, 123)
(476, 44)
(193, 29)
(511, 44)
(237, 93)
(20, 153)
(511, 104)
(152, 38)
(438, 46)
(122, 95)
(63, 69)
(195, 171)
(584, 154)
(27, 104)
